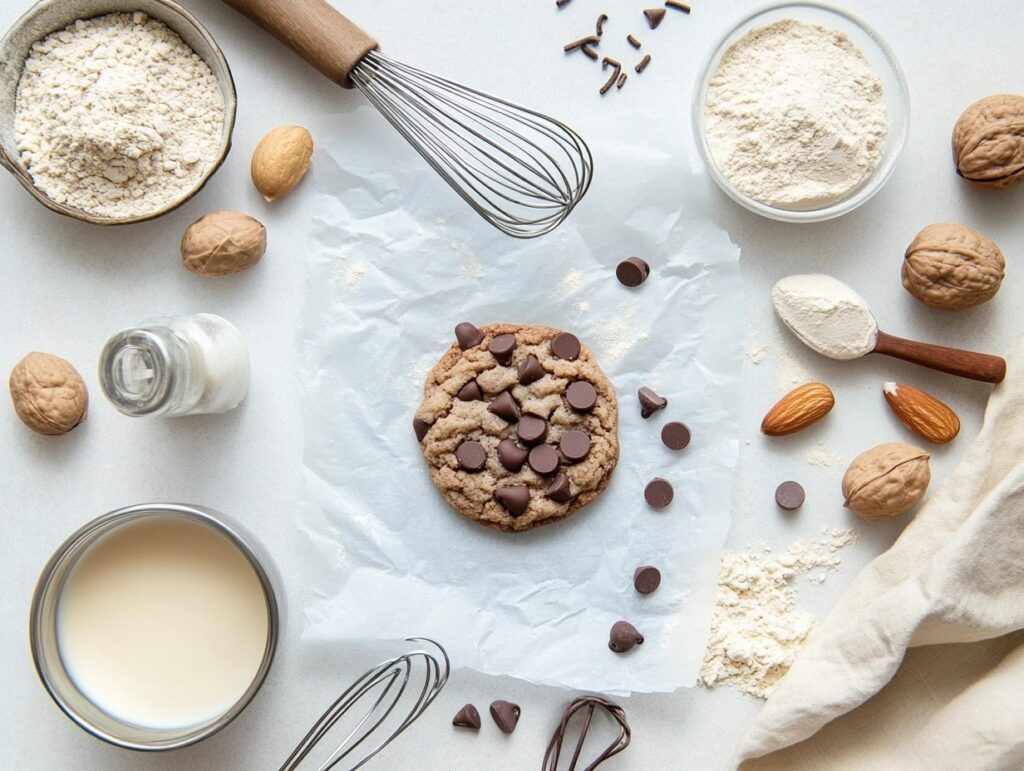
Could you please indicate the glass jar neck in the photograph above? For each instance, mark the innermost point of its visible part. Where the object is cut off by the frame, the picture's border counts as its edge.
(141, 370)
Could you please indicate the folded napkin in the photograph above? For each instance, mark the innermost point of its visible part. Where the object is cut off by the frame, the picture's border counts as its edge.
(865, 693)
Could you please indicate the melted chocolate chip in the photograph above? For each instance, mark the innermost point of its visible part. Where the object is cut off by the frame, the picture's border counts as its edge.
(633, 271)
(530, 370)
(505, 407)
(420, 427)
(506, 715)
(467, 717)
(559, 490)
(789, 496)
(581, 395)
(575, 445)
(531, 430)
(511, 455)
(501, 348)
(471, 456)
(515, 499)
(565, 346)
(623, 636)
(646, 579)
(659, 493)
(468, 336)
(675, 435)
(544, 459)
(470, 392)
(650, 402)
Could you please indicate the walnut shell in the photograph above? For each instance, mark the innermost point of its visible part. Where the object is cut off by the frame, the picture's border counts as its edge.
(281, 160)
(886, 480)
(953, 267)
(223, 243)
(988, 142)
(49, 395)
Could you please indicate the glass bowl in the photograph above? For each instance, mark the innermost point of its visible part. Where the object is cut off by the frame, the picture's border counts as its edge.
(878, 54)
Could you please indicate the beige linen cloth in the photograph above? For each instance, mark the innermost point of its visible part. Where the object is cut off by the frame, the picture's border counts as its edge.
(921, 664)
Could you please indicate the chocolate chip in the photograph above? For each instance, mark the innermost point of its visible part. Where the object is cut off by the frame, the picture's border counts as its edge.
(675, 435)
(623, 637)
(511, 455)
(544, 459)
(505, 714)
(471, 456)
(467, 717)
(632, 272)
(531, 430)
(505, 407)
(646, 579)
(789, 496)
(530, 370)
(654, 16)
(515, 499)
(468, 335)
(501, 348)
(420, 427)
(559, 490)
(650, 402)
(658, 493)
(565, 346)
(575, 445)
(470, 392)
(581, 395)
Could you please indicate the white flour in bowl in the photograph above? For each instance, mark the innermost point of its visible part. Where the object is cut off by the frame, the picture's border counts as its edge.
(117, 116)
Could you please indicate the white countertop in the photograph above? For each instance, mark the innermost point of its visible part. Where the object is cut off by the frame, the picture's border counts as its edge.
(66, 286)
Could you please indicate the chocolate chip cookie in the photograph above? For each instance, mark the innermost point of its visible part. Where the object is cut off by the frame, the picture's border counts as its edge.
(518, 425)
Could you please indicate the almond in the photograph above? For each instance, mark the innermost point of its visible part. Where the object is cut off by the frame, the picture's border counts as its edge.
(798, 409)
(922, 413)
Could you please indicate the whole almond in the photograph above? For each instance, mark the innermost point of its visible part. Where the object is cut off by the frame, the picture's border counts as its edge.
(922, 413)
(798, 409)
(281, 160)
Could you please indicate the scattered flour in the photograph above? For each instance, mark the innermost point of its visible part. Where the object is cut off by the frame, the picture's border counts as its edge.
(823, 457)
(620, 335)
(756, 630)
(350, 274)
(571, 281)
(756, 352)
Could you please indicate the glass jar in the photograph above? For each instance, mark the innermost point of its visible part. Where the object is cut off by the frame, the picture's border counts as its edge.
(176, 365)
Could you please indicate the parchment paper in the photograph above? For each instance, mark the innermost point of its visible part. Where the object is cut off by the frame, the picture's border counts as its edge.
(397, 261)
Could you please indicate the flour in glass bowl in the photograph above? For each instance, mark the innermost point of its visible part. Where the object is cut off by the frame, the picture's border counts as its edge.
(117, 116)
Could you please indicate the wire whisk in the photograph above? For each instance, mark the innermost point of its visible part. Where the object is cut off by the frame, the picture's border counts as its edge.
(522, 171)
(384, 687)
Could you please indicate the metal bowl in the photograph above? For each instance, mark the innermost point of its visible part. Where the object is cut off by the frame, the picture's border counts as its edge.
(49, 16)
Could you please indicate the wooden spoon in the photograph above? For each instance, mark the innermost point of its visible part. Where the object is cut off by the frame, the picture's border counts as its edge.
(968, 364)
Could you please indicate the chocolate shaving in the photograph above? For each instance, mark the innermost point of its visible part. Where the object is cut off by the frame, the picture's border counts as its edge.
(678, 6)
(633, 41)
(561, 3)
(589, 52)
(600, 24)
(615, 75)
(654, 16)
(622, 79)
(583, 41)
(642, 64)
(587, 704)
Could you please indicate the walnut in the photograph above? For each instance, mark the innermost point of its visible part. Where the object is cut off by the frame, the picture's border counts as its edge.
(222, 243)
(886, 480)
(988, 142)
(953, 267)
(48, 394)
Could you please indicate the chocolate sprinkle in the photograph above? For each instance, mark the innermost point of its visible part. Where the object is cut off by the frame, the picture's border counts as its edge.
(621, 81)
(575, 445)
(632, 272)
(623, 636)
(505, 714)
(511, 456)
(471, 455)
(599, 27)
(530, 370)
(587, 704)
(420, 427)
(650, 402)
(589, 52)
(468, 335)
(659, 493)
(675, 435)
(531, 430)
(581, 43)
(566, 346)
(559, 490)
(505, 407)
(581, 395)
(515, 499)
(633, 41)
(642, 64)
(467, 717)
(470, 392)
(544, 459)
(677, 5)
(501, 348)
(789, 496)
(654, 16)
(646, 579)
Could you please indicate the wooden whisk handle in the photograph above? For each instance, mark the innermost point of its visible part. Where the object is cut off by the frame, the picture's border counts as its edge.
(975, 366)
(315, 30)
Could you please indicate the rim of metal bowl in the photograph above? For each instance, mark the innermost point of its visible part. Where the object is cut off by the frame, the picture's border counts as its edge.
(861, 194)
(224, 78)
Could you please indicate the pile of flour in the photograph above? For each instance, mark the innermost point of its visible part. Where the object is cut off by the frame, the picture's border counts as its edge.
(795, 115)
(117, 116)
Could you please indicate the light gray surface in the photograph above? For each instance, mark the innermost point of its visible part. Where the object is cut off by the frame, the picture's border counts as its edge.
(66, 286)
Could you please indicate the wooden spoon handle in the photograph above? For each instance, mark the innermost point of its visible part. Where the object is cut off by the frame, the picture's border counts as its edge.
(315, 30)
(976, 366)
